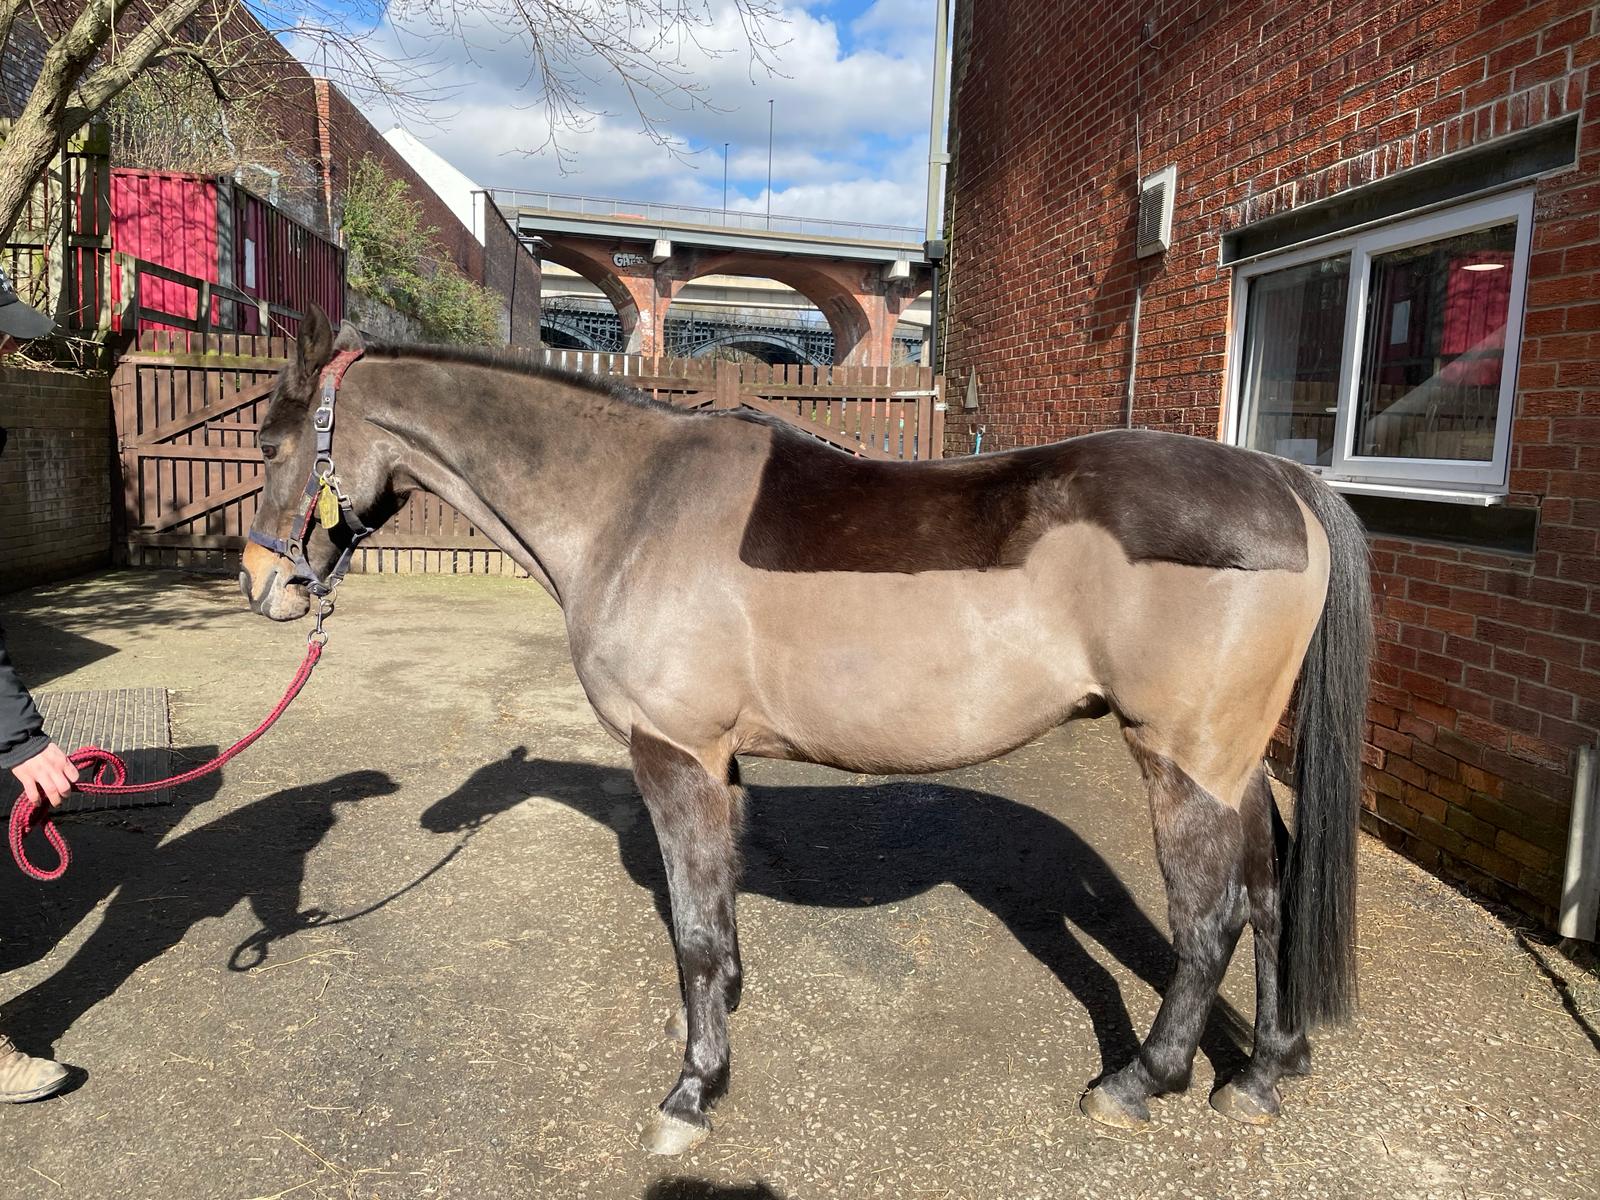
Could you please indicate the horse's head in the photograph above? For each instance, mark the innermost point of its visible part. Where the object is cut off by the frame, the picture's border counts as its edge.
(268, 578)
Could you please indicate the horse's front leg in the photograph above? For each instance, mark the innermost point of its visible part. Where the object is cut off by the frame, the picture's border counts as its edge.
(697, 816)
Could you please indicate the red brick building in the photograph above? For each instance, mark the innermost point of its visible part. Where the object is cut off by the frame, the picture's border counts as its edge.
(1383, 259)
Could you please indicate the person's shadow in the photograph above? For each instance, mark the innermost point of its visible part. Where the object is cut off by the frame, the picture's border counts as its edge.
(857, 846)
(256, 853)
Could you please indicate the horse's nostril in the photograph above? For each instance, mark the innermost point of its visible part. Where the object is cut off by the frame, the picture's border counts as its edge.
(244, 585)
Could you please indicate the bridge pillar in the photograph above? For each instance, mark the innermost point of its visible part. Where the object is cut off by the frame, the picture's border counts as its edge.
(876, 344)
(880, 301)
(650, 291)
(640, 291)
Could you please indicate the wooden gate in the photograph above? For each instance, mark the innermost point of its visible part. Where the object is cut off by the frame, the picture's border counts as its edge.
(188, 407)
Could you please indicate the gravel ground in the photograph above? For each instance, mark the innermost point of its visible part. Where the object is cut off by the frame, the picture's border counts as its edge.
(410, 946)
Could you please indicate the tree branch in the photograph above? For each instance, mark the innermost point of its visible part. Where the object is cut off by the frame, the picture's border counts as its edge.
(8, 18)
(135, 55)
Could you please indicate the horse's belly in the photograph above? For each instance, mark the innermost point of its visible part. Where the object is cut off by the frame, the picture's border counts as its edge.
(889, 673)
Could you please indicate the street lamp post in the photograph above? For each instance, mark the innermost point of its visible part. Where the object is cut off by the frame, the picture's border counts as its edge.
(725, 146)
(769, 164)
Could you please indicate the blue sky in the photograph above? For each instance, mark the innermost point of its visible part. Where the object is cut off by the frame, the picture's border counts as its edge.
(851, 97)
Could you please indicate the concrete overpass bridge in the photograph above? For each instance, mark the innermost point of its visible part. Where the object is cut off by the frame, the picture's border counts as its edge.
(862, 278)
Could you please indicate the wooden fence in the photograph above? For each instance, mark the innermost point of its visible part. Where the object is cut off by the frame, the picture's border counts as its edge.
(59, 253)
(188, 407)
(207, 307)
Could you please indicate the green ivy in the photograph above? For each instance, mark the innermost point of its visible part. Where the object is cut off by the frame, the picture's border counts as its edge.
(392, 260)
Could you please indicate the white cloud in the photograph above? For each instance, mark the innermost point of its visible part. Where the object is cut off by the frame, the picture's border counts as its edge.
(849, 129)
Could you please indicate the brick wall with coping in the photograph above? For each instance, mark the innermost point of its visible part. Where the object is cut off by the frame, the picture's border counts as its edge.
(55, 475)
(516, 275)
(1488, 669)
(345, 137)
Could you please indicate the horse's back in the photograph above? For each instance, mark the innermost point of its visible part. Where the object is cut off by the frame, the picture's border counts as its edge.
(1163, 497)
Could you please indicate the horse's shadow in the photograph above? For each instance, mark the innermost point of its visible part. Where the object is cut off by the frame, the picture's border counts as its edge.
(858, 846)
(163, 888)
(682, 1187)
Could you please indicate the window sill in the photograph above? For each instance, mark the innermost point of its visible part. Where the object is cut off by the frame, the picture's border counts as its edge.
(1411, 491)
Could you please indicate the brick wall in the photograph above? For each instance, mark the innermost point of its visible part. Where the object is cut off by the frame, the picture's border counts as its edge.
(19, 67)
(1488, 671)
(516, 275)
(345, 137)
(55, 475)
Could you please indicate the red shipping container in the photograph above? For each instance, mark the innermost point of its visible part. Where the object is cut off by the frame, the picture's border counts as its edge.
(214, 230)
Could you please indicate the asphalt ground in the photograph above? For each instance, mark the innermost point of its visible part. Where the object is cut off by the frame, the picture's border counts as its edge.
(410, 945)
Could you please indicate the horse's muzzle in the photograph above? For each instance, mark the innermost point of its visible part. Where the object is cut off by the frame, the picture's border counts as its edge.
(275, 599)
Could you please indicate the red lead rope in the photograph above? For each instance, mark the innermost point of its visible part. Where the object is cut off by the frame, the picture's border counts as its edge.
(27, 813)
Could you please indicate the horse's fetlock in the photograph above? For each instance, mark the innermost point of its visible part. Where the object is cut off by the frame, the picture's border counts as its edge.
(1166, 1071)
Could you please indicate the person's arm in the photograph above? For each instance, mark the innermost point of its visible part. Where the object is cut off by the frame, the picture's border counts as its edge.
(38, 763)
(21, 726)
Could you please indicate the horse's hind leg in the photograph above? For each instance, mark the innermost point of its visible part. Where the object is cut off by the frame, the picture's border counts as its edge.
(696, 817)
(1252, 1096)
(1198, 842)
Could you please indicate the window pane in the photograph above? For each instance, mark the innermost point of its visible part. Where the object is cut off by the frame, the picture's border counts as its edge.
(1433, 348)
(1293, 344)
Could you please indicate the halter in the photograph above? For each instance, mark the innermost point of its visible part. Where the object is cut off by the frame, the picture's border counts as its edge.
(322, 475)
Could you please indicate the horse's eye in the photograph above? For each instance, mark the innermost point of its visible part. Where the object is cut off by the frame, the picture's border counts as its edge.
(269, 452)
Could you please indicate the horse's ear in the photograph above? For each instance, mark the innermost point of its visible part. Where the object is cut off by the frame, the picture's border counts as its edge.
(349, 338)
(315, 346)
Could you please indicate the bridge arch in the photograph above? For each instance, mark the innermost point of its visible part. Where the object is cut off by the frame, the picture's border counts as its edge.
(768, 347)
(833, 290)
(593, 266)
(563, 330)
(640, 274)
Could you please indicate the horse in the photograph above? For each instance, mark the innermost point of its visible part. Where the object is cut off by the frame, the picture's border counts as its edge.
(732, 586)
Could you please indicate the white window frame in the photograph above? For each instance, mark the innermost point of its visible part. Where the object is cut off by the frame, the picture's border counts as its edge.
(1430, 478)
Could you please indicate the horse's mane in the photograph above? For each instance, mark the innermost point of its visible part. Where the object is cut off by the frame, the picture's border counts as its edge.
(518, 363)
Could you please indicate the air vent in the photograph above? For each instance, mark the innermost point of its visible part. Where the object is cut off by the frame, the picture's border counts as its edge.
(1155, 211)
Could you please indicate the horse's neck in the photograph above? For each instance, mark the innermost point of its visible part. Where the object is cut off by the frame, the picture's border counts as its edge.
(537, 465)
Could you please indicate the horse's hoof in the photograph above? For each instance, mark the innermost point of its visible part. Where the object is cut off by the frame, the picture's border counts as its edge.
(677, 1026)
(1237, 1104)
(668, 1135)
(1104, 1109)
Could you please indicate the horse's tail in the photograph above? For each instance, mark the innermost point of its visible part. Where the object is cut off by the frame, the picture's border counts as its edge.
(1317, 950)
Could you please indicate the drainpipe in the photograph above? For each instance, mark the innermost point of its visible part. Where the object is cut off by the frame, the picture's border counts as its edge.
(938, 158)
(1580, 889)
(1146, 32)
(1133, 349)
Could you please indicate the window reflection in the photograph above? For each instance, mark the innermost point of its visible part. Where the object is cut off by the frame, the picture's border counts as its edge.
(1293, 344)
(1433, 348)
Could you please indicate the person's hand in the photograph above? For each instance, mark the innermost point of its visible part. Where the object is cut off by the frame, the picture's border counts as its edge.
(48, 775)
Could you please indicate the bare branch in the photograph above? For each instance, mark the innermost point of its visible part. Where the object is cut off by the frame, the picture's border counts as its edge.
(135, 55)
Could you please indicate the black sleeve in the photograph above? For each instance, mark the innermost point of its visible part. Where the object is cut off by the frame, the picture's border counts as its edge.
(21, 727)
